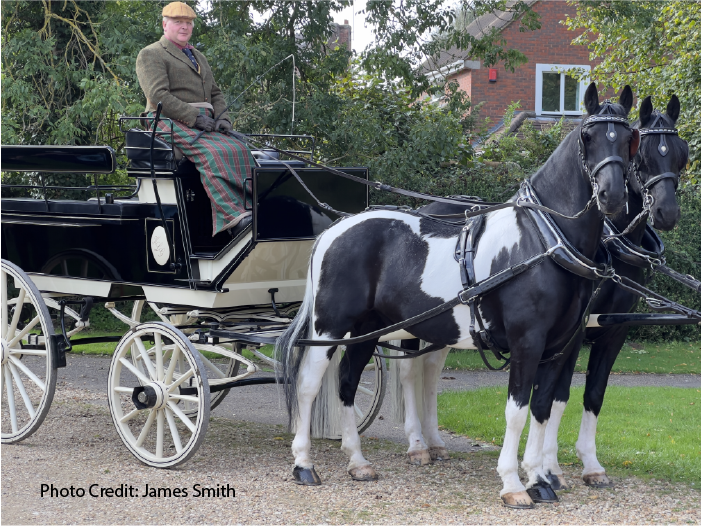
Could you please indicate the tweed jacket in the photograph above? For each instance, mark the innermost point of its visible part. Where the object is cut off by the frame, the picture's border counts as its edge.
(167, 75)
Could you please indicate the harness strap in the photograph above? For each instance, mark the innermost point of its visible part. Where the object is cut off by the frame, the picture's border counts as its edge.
(667, 175)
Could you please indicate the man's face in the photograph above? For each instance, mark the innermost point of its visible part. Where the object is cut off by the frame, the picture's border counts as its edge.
(178, 29)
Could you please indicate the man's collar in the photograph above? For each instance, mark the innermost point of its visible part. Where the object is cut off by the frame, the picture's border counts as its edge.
(188, 46)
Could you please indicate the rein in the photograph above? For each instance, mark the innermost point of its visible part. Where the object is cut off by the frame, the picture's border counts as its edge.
(556, 247)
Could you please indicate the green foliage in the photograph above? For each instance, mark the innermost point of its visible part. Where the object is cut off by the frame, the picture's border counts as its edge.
(655, 46)
(526, 150)
(642, 430)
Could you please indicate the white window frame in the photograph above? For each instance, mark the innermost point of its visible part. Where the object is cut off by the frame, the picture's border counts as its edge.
(562, 69)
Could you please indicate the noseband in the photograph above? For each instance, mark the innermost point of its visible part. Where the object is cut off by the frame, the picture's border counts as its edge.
(607, 115)
(663, 149)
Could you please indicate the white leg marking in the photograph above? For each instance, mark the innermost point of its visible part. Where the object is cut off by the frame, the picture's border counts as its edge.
(586, 444)
(312, 371)
(350, 442)
(433, 366)
(508, 459)
(550, 463)
(533, 456)
(408, 370)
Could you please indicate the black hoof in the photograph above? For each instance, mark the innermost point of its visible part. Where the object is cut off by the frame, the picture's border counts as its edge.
(542, 492)
(306, 476)
(555, 482)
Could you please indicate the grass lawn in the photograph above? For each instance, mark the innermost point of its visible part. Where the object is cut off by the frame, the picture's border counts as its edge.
(661, 358)
(642, 430)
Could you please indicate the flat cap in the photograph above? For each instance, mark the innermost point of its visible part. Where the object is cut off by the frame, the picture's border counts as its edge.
(178, 10)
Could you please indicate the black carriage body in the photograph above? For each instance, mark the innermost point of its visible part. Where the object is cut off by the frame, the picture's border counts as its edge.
(104, 249)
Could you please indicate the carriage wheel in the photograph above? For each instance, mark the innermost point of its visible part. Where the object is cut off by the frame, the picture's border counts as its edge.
(216, 368)
(28, 376)
(369, 395)
(147, 407)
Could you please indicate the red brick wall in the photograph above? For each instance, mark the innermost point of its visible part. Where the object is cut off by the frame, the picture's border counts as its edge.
(551, 44)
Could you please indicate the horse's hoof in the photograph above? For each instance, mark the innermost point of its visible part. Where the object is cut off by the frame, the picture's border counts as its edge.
(438, 453)
(363, 473)
(597, 480)
(518, 501)
(420, 457)
(542, 492)
(558, 482)
(306, 476)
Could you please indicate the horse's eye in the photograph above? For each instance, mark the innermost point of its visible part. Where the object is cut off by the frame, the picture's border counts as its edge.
(587, 137)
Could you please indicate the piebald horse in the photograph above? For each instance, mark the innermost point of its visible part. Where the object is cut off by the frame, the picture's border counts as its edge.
(381, 267)
(655, 157)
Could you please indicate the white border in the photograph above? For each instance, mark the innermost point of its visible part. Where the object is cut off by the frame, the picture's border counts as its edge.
(539, 69)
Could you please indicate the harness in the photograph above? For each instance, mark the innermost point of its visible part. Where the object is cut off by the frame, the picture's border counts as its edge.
(554, 242)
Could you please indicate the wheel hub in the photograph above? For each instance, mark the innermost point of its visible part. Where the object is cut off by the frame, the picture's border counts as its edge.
(150, 396)
(5, 351)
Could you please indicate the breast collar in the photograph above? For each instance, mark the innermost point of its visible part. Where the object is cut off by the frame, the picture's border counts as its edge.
(559, 248)
(648, 255)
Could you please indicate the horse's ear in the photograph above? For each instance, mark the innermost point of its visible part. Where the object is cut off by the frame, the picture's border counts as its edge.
(673, 108)
(645, 112)
(634, 143)
(591, 99)
(626, 98)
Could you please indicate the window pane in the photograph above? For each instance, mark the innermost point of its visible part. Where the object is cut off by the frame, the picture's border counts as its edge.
(551, 91)
(571, 94)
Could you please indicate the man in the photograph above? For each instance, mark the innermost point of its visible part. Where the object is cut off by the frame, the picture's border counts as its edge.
(173, 72)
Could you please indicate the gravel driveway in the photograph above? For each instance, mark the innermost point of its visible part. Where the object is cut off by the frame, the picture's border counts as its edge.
(246, 447)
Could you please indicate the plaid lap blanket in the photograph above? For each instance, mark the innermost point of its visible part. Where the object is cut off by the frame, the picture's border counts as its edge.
(223, 163)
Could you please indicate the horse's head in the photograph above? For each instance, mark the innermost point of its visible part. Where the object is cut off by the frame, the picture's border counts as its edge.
(607, 145)
(660, 158)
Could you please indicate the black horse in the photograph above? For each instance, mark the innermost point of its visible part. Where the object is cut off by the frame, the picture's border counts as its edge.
(382, 267)
(661, 153)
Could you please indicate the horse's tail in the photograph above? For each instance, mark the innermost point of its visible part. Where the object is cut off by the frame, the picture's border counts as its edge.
(289, 355)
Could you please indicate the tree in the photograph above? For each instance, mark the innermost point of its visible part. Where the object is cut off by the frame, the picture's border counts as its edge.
(655, 46)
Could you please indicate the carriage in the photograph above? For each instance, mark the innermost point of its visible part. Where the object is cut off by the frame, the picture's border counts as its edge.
(151, 243)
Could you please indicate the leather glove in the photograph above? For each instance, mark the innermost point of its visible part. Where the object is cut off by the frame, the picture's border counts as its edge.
(202, 122)
(222, 125)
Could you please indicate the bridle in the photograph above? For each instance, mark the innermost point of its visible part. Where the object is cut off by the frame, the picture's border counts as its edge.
(605, 114)
(663, 149)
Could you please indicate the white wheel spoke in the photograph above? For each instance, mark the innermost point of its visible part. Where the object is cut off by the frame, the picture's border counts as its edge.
(3, 285)
(145, 430)
(159, 357)
(184, 398)
(23, 332)
(29, 373)
(160, 424)
(209, 365)
(10, 399)
(18, 311)
(173, 430)
(33, 352)
(145, 358)
(180, 380)
(365, 391)
(22, 391)
(185, 420)
(358, 411)
(171, 366)
(125, 390)
(141, 376)
(131, 415)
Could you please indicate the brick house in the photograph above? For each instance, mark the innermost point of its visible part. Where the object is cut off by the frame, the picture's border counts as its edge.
(545, 90)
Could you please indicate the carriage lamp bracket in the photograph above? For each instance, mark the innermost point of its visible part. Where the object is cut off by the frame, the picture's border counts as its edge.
(272, 300)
